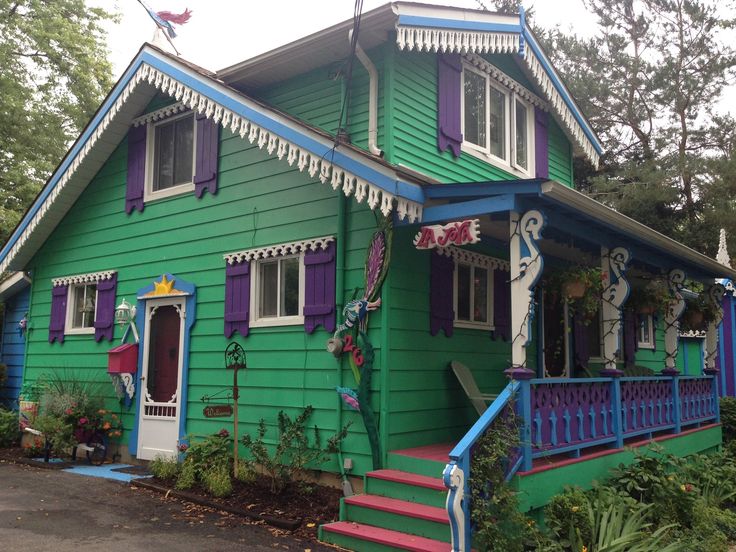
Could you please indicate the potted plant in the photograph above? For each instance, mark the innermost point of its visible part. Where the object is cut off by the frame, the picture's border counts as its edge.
(580, 287)
(699, 312)
(652, 298)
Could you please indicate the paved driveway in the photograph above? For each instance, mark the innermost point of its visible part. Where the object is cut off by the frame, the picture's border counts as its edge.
(49, 510)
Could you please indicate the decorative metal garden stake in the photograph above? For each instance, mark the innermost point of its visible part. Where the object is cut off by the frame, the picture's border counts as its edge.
(235, 359)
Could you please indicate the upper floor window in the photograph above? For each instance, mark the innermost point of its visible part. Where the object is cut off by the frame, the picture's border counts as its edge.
(171, 156)
(278, 291)
(498, 125)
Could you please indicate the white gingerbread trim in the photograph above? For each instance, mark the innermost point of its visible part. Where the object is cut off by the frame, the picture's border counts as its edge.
(277, 250)
(91, 278)
(274, 144)
(159, 114)
(699, 334)
(461, 255)
(423, 39)
(502, 78)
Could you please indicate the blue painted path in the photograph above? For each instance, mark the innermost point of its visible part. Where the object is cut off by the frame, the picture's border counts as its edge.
(106, 471)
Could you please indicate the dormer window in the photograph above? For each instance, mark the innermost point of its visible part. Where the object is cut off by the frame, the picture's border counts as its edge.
(498, 125)
(171, 157)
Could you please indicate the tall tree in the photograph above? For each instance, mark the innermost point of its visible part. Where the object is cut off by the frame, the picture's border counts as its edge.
(649, 81)
(53, 74)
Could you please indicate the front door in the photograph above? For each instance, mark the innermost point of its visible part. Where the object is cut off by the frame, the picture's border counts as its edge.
(158, 432)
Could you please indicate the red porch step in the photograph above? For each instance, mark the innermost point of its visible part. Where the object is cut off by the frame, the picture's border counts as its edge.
(406, 478)
(383, 537)
(400, 507)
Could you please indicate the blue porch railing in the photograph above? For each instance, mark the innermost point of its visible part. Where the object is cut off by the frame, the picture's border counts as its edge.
(566, 416)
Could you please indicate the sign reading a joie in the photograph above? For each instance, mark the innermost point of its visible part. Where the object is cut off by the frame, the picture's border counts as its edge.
(454, 233)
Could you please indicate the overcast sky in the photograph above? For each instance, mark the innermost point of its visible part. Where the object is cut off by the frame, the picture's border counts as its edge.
(221, 33)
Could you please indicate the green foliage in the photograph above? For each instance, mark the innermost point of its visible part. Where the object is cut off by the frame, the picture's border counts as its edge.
(293, 452)
(590, 278)
(187, 477)
(728, 418)
(58, 432)
(206, 461)
(567, 511)
(53, 74)
(9, 432)
(712, 519)
(164, 467)
(217, 481)
(495, 507)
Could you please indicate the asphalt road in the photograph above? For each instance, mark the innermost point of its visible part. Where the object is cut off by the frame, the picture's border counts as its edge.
(54, 511)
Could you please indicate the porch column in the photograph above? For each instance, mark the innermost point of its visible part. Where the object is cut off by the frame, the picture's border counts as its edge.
(715, 297)
(526, 267)
(615, 292)
(675, 308)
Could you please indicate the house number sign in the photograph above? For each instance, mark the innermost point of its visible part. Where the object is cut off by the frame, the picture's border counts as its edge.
(218, 411)
(454, 233)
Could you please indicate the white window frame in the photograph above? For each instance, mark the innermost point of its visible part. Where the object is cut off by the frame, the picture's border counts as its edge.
(257, 321)
(470, 323)
(648, 319)
(508, 163)
(185, 188)
(69, 328)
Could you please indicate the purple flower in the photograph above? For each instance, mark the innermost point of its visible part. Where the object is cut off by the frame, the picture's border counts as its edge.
(183, 447)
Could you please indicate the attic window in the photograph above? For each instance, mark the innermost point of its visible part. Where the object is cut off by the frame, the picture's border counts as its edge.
(498, 124)
(171, 157)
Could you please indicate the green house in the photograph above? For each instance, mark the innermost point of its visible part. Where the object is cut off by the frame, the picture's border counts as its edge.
(240, 206)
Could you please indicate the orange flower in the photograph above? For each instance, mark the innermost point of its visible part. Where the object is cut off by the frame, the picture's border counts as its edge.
(106, 425)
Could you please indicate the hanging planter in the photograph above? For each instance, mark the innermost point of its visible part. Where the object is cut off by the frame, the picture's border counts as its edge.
(575, 289)
(580, 287)
(652, 298)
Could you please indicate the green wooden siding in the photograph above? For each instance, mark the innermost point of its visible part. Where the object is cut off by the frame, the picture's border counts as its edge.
(260, 201)
(560, 155)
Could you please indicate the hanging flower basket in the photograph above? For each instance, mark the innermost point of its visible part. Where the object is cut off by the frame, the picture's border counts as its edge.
(574, 289)
(694, 319)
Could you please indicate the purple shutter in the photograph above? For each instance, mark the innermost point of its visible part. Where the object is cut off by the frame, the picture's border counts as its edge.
(541, 152)
(58, 313)
(205, 170)
(237, 298)
(319, 289)
(580, 340)
(441, 311)
(105, 308)
(449, 113)
(501, 304)
(631, 337)
(136, 168)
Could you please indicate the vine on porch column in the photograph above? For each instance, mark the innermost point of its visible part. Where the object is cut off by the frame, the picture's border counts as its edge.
(526, 268)
(715, 296)
(615, 292)
(673, 312)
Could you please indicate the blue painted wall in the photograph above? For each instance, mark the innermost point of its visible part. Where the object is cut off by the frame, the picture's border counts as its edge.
(13, 347)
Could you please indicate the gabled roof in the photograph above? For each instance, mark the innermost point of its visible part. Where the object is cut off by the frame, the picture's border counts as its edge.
(427, 28)
(349, 169)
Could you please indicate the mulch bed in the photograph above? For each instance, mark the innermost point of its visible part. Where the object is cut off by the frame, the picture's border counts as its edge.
(296, 510)
(16, 455)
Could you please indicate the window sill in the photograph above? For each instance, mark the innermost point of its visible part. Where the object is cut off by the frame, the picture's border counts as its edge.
(475, 151)
(645, 346)
(473, 325)
(174, 191)
(79, 331)
(272, 322)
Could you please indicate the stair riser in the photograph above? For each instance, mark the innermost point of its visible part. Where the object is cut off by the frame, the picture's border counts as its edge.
(403, 491)
(419, 466)
(352, 543)
(398, 522)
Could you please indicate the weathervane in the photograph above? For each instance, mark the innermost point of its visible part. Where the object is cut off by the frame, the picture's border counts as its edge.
(165, 21)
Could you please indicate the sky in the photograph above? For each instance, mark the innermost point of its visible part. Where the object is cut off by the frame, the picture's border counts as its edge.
(221, 33)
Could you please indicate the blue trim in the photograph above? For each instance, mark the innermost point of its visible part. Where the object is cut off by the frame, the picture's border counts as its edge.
(562, 90)
(200, 84)
(441, 23)
(470, 208)
(140, 319)
(474, 189)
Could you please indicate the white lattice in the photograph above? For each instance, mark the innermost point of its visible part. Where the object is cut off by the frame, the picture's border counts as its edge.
(471, 257)
(279, 250)
(90, 278)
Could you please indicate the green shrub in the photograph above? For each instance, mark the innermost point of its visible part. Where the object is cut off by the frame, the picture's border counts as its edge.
(164, 467)
(187, 477)
(217, 481)
(567, 512)
(246, 471)
(59, 433)
(708, 519)
(9, 432)
(204, 458)
(728, 418)
(293, 452)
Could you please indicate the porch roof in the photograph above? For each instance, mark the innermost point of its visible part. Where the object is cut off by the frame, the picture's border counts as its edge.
(571, 213)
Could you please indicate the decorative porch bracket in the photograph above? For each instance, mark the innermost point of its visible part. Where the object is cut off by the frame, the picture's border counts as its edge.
(715, 296)
(675, 308)
(615, 292)
(526, 267)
